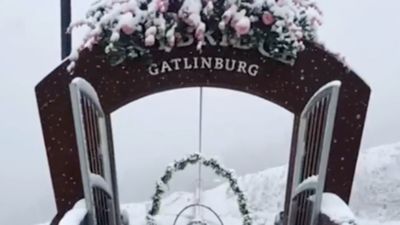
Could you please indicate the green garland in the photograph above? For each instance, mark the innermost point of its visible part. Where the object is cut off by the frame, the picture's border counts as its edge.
(191, 160)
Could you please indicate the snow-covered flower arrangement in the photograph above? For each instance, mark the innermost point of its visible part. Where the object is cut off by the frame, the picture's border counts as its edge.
(162, 184)
(128, 28)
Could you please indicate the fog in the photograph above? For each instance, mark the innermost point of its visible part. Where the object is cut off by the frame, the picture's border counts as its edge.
(245, 132)
(239, 129)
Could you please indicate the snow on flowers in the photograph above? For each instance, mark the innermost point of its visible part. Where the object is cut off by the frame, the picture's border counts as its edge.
(128, 28)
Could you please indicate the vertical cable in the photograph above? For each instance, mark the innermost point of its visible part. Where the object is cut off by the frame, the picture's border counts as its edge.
(307, 142)
(317, 154)
(310, 140)
(308, 145)
(200, 148)
(90, 152)
(200, 119)
(87, 134)
(93, 159)
(310, 152)
(65, 6)
(313, 148)
(99, 163)
(325, 115)
(314, 135)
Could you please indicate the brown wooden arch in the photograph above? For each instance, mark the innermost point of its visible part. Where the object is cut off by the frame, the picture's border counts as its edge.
(288, 86)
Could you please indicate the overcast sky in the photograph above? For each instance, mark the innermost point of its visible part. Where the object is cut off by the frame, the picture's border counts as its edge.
(155, 130)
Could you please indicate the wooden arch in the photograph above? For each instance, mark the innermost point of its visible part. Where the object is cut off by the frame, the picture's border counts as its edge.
(288, 86)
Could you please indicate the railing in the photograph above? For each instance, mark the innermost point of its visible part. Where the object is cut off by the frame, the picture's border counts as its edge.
(313, 147)
(94, 155)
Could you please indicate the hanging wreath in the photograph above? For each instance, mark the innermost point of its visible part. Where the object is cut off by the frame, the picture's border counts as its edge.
(161, 185)
(126, 29)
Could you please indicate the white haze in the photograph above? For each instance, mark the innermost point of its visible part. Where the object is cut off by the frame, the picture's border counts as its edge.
(253, 136)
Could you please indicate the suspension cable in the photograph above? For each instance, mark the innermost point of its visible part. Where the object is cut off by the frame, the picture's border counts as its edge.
(200, 149)
(200, 119)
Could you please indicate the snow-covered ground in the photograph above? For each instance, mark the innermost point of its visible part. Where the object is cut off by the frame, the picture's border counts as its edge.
(265, 192)
(375, 198)
(376, 191)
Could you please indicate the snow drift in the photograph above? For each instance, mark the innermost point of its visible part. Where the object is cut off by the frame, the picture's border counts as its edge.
(376, 190)
(375, 196)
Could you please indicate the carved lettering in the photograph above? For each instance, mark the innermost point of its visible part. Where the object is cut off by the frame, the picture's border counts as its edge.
(195, 64)
(210, 39)
(187, 66)
(165, 67)
(176, 63)
(186, 40)
(153, 69)
(253, 70)
(230, 67)
(206, 62)
(242, 67)
(203, 63)
(219, 64)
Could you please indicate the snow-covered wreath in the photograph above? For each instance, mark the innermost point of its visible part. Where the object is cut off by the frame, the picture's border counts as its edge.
(162, 184)
(126, 29)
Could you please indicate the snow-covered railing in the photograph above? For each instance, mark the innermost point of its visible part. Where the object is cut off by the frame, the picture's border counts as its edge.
(92, 139)
(310, 183)
(313, 148)
(97, 181)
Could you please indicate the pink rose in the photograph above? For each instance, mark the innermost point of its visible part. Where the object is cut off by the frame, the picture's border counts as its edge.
(281, 2)
(242, 26)
(127, 23)
(199, 45)
(199, 33)
(128, 29)
(268, 18)
(162, 5)
(151, 31)
(150, 40)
